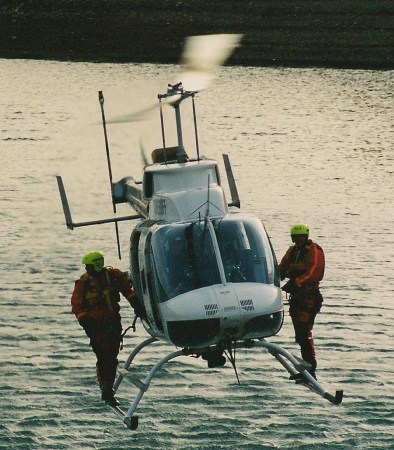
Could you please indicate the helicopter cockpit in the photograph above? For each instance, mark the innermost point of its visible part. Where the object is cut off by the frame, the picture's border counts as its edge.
(239, 252)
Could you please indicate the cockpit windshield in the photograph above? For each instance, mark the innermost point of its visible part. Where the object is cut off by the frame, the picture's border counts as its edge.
(246, 251)
(186, 258)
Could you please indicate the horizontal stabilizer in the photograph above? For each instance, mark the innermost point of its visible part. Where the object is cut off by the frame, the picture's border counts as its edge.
(66, 208)
(67, 213)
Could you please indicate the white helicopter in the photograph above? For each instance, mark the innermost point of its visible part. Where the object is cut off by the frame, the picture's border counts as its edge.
(207, 279)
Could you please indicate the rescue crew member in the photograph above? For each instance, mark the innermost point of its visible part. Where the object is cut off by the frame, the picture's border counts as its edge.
(95, 303)
(304, 265)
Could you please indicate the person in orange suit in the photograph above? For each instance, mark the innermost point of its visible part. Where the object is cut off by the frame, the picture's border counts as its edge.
(304, 265)
(95, 303)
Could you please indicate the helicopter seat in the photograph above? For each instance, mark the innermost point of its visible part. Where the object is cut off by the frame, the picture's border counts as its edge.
(238, 264)
(230, 260)
(247, 265)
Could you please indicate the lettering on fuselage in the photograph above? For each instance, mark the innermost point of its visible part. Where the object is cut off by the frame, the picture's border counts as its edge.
(230, 308)
(160, 207)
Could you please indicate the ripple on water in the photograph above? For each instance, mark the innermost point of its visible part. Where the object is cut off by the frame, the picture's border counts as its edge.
(309, 145)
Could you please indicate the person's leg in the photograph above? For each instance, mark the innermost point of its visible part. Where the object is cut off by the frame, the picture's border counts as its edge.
(303, 318)
(303, 336)
(107, 362)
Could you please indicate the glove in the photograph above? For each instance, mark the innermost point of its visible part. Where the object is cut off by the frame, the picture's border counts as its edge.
(88, 325)
(139, 310)
(289, 287)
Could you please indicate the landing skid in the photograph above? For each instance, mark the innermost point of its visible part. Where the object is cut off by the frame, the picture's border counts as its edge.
(296, 366)
(291, 363)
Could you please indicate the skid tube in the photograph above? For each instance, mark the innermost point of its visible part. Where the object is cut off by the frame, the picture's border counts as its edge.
(129, 420)
(296, 366)
(291, 363)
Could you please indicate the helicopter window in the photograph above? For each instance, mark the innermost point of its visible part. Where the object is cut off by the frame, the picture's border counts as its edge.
(148, 185)
(176, 180)
(246, 252)
(186, 257)
(152, 287)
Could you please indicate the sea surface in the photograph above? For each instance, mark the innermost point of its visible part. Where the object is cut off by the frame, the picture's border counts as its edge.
(306, 145)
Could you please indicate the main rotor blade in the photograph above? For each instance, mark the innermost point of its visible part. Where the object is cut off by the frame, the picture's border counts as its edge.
(201, 57)
(144, 114)
(144, 158)
(137, 116)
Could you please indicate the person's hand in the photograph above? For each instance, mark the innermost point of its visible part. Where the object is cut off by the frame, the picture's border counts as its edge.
(289, 287)
(88, 324)
(139, 310)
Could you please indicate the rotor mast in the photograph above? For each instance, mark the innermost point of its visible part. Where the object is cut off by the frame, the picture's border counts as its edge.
(175, 95)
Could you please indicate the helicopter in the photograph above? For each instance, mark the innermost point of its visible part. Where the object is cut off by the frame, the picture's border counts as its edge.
(207, 278)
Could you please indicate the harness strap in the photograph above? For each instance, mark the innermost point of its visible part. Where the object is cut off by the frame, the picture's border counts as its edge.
(114, 296)
(126, 330)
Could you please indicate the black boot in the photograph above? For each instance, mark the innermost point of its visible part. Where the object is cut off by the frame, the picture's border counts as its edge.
(106, 372)
(109, 398)
(299, 377)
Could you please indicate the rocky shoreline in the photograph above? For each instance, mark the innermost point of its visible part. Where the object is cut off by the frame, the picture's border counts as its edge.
(336, 33)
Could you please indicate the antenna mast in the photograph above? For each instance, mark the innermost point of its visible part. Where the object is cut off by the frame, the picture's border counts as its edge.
(101, 100)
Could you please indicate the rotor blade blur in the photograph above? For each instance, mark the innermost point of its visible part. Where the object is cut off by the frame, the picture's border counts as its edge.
(144, 158)
(137, 116)
(144, 114)
(201, 57)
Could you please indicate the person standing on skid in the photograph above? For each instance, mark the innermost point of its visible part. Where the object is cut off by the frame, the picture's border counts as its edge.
(95, 303)
(304, 265)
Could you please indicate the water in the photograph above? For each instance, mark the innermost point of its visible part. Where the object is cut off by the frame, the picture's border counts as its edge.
(309, 145)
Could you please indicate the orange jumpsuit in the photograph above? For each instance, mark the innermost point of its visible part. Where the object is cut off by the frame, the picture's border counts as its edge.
(305, 267)
(98, 299)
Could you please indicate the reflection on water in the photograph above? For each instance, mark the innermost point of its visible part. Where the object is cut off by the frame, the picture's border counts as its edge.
(306, 145)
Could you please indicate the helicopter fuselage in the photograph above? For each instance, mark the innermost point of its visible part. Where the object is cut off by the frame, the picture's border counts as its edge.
(205, 277)
(207, 280)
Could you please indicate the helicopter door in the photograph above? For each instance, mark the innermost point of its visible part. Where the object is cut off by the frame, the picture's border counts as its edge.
(134, 262)
(147, 281)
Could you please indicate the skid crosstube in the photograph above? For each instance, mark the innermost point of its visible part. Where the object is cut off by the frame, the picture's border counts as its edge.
(291, 363)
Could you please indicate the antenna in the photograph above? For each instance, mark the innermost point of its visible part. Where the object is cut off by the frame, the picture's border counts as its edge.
(181, 149)
(207, 210)
(163, 135)
(231, 357)
(195, 128)
(101, 100)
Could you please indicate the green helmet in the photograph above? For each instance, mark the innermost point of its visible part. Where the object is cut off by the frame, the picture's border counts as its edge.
(94, 258)
(299, 229)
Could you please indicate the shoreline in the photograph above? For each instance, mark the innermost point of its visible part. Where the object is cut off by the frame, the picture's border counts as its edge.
(289, 33)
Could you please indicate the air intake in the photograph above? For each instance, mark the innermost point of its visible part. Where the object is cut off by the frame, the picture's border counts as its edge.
(247, 305)
(211, 310)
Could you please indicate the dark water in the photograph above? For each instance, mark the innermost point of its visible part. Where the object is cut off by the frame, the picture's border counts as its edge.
(307, 145)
